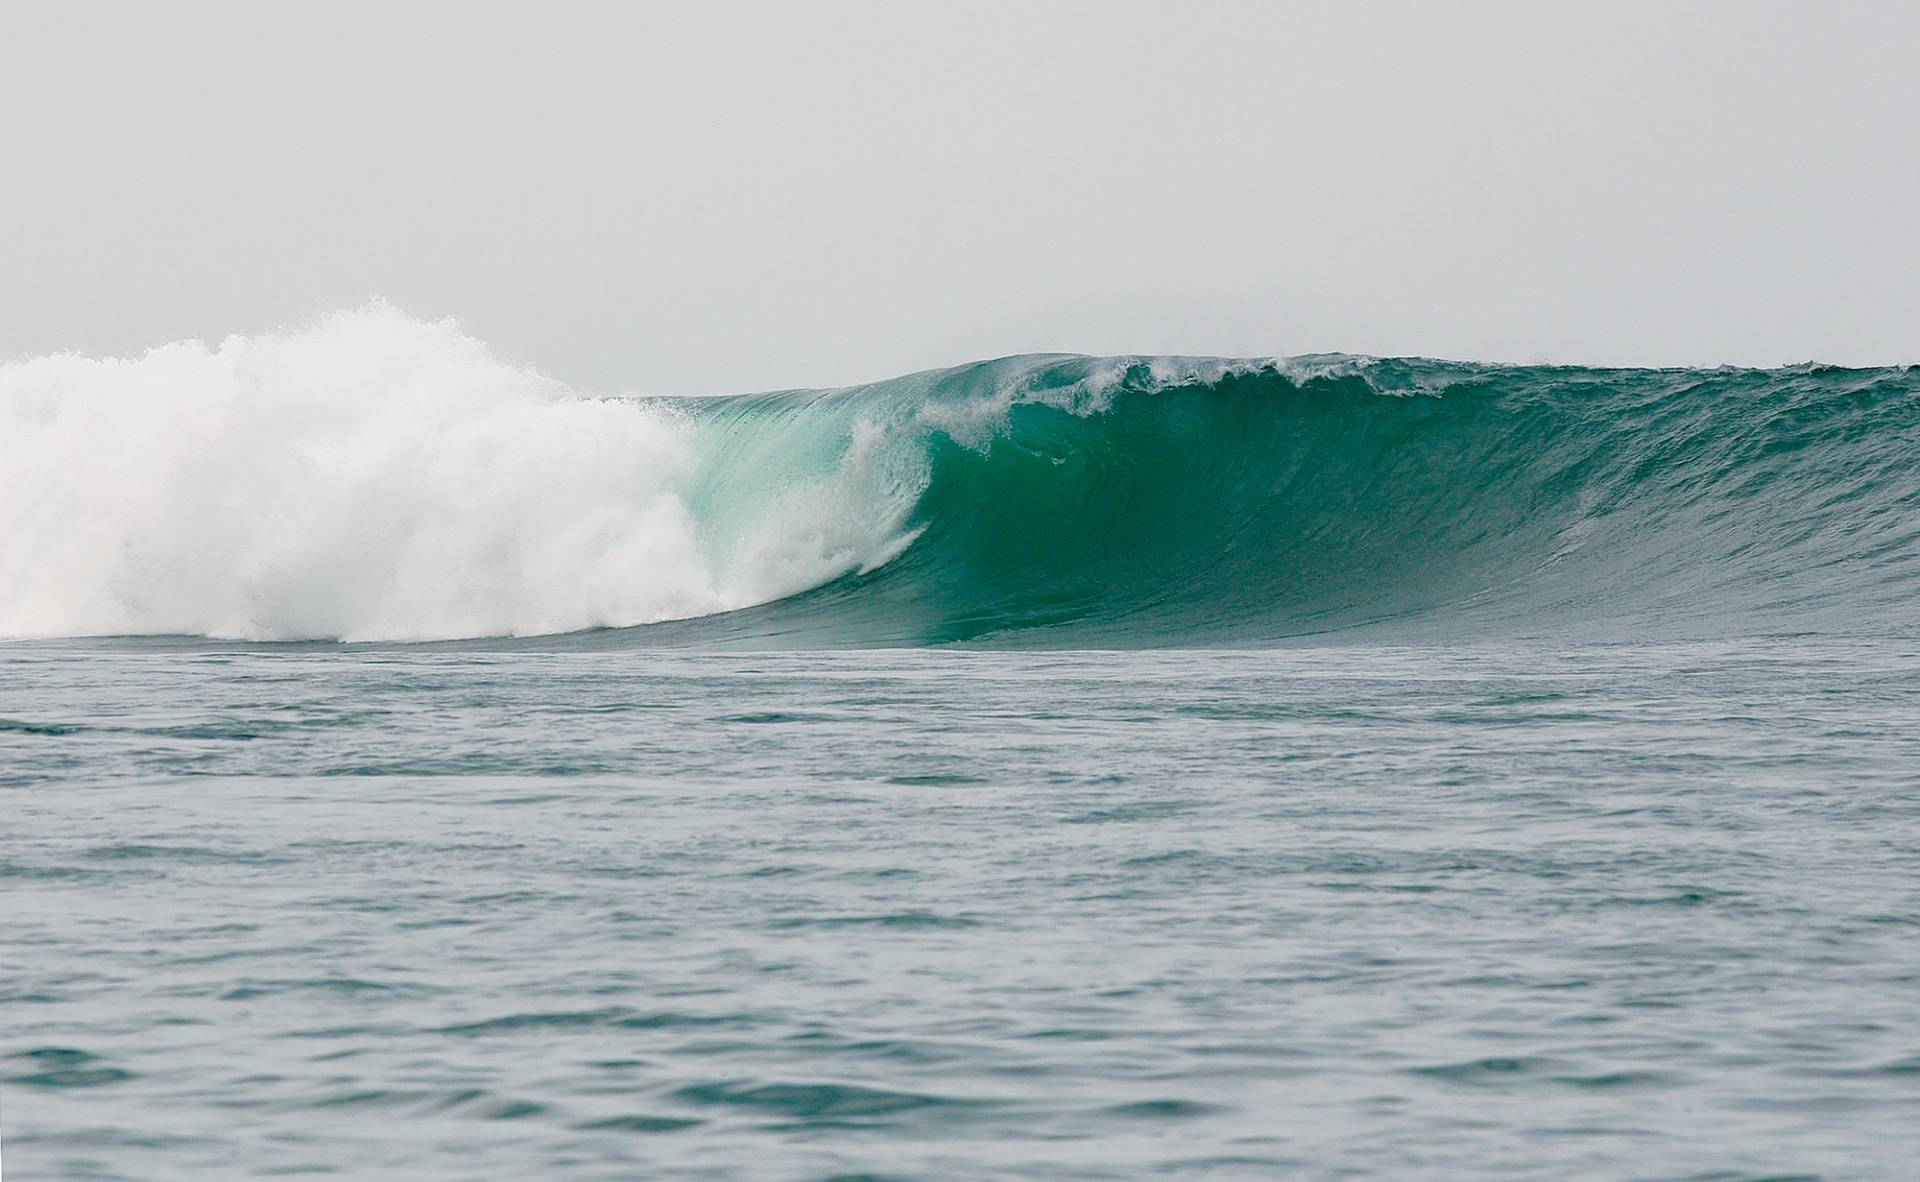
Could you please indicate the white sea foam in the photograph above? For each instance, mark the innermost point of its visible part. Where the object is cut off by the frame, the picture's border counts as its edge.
(976, 421)
(372, 476)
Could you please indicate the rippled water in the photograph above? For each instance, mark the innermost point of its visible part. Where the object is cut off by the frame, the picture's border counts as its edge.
(1363, 912)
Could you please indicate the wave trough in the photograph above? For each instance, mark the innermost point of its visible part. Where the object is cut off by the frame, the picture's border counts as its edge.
(374, 477)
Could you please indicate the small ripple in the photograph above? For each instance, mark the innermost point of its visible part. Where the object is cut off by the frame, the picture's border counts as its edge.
(20, 726)
(1070, 1034)
(898, 919)
(889, 1049)
(338, 1032)
(469, 1103)
(1620, 1080)
(826, 1100)
(1499, 1071)
(615, 1017)
(248, 989)
(65, 1067)
(365, 1098)
(138, 851)
(772, 716)
(640, 1123)
(1238, 1165)
(1495, 1070)
(1695, 897)
(1144, 811)
(50, 873)
(483, 1105)
(99, 1136)
(934, 779)
(1170, 1109)
(230, 732)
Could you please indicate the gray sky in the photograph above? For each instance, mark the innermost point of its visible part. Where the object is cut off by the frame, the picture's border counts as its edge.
(716, 197)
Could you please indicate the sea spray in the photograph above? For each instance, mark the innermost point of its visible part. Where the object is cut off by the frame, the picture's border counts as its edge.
(368, 476)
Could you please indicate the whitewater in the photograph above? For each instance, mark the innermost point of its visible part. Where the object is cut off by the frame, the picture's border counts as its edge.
(369, 476)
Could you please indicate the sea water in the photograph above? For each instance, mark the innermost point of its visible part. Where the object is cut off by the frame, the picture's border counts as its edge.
(1054, 768)
(1611, 911)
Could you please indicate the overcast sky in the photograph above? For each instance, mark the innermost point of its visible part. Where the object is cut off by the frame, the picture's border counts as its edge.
(707, 197)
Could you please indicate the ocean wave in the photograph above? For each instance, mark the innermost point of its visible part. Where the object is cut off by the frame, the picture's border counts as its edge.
(374, 477)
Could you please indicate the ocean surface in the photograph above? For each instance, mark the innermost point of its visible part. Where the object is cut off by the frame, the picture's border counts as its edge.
(1049, 768)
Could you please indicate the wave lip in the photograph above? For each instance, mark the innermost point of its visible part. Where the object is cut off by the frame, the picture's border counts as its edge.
(373, 477)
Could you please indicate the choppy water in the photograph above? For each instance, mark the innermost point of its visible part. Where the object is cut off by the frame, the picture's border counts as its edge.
(1351, 911)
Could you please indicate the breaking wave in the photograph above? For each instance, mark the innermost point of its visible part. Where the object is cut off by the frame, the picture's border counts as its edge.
(374, 477)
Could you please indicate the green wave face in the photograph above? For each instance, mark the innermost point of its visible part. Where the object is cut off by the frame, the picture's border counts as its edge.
(1063, 501)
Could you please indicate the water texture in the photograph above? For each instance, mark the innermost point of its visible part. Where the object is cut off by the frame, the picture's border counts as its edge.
(1610, 911)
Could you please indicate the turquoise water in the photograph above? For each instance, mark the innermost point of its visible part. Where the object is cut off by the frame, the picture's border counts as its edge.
(1185, 769)
(1070, 502)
